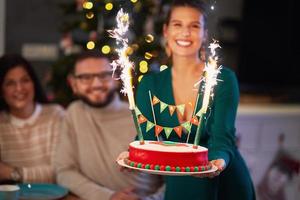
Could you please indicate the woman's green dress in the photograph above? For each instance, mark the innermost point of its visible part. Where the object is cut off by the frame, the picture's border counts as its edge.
(234, 183)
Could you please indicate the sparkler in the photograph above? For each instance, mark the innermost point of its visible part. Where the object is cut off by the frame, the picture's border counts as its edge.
(211, 70)
(125, 64)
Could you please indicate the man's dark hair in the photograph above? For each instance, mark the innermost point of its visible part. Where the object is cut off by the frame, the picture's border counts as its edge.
(93, 54)
(89, 54)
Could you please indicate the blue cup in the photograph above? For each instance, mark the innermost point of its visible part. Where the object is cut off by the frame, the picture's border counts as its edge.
(9, 192)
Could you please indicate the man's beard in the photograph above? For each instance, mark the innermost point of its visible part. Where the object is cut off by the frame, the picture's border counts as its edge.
(109, 98)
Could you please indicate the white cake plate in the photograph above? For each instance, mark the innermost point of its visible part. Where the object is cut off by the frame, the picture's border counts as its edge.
(170, 173)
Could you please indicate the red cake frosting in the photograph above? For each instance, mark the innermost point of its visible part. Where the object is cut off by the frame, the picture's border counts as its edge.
(168, 156)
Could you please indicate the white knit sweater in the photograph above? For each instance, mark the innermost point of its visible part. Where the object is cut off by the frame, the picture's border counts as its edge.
(29, 144)
(91, 141)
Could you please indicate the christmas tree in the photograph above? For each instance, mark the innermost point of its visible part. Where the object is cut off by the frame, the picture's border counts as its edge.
(84, 27)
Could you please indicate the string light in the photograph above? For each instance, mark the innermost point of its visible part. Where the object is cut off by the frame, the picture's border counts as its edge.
(143, 66)
(89, 15)
(109, 6)
(106, 49)
(88, 5)
(148, 55)
(149, 38)
(90, 45)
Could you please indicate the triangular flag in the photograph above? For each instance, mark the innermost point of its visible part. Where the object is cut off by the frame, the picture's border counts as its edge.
(187, 126)
(194, 120)
(180, 108)
(149, 126)
(168, 131)
(172, 109)
(137, 111)
(163, 67)
(178, 130)
(199, 113)
(155, 100)
(141, 119)
(158, 130)
(162, 106)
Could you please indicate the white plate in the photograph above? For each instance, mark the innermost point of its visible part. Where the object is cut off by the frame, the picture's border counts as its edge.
(171, 173)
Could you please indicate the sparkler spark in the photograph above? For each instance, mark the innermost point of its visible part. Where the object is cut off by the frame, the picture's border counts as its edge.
(123, 61)
(125, 64)
(211, 72)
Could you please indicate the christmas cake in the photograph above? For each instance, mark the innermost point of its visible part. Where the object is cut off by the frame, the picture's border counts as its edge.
(168, 156)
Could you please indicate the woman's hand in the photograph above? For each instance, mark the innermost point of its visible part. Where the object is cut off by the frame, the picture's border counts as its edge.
(219, 163)
(5, 171)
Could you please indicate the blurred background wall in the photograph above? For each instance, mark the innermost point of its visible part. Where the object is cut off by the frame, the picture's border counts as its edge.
(31, 29)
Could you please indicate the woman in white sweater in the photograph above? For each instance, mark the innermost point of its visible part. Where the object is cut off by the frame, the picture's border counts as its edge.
(28, 125)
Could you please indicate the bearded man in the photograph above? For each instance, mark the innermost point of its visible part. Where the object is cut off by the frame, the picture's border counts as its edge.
(97, 127)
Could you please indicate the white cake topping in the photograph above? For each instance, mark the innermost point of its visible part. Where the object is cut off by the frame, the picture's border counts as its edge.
(167, 146)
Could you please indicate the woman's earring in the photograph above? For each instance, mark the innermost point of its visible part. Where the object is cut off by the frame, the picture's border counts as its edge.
(202, 54)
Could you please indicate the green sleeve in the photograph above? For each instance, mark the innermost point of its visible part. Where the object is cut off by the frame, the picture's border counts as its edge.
(221, 124)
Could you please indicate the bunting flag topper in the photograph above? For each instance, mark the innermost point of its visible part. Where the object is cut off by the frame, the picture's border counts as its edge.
(172, 108)
(167, 130)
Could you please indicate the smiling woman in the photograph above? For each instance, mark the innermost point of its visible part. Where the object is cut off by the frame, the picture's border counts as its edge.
(28, 127)
(185, 32)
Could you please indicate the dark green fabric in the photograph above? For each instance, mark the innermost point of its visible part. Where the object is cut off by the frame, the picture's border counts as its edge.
(234, 183)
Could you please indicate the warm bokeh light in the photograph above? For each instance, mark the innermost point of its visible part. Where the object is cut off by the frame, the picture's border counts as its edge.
(149, 38)
(90, 45)
(109, 6)
(133, 1)
(89, 15)
(140, 78)
(143, 66)
(135, 46)
(83, 25)
(106, 49)
(129, 51)
(148, 55)
(88, 5)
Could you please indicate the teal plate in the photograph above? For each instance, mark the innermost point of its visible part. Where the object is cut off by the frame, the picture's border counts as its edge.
(41, 191)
